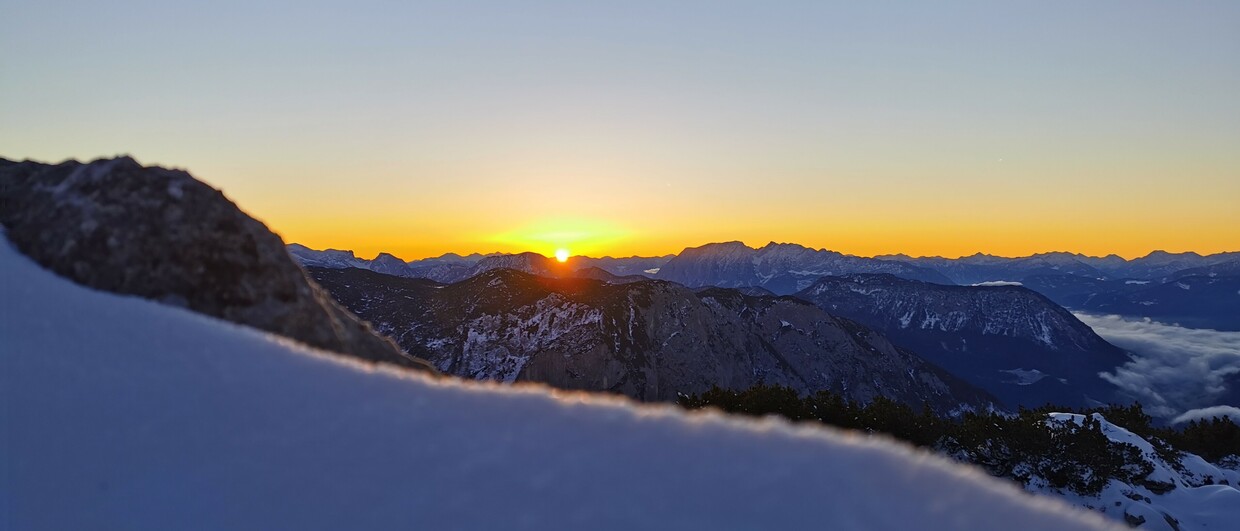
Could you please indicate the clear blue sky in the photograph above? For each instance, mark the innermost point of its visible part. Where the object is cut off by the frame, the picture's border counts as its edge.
(642, 127)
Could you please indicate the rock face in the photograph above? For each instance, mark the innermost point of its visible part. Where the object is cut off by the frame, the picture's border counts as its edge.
(779, 267)
(646, 339)
(1008, 340)
(157, 233)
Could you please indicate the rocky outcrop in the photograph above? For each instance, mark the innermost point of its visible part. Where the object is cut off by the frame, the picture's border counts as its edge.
(157, 233)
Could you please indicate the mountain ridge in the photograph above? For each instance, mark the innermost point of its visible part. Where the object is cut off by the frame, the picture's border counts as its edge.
(647, 339)
(1008, 340)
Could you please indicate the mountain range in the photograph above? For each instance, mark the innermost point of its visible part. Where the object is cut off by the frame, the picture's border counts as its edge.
(647, 339)
(1018, 343)
(1108, 284)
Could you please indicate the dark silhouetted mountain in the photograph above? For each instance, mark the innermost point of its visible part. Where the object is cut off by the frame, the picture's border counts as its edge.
(632, 265)
(779, 267)
(598, 273)
(157, 233)
(752, 291)
(646, 339)
(1008, 340)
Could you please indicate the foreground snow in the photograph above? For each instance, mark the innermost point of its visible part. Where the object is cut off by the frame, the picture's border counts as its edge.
(121, 413)
(1194, 494)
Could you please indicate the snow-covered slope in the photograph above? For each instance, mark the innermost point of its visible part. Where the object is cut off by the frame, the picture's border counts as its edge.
(122, 413)
(1185, 495)
(1008, 340)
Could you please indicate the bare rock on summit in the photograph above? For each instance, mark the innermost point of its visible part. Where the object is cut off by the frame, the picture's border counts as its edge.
(115, 225)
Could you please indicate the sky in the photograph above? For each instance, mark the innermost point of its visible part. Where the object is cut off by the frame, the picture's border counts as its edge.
(419, 128)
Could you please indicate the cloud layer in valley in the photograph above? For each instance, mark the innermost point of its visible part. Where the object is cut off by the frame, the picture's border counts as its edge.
(1208, 413)
(1175, 372)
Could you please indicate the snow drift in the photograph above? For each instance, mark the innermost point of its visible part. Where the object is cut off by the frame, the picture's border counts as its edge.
(122, 413)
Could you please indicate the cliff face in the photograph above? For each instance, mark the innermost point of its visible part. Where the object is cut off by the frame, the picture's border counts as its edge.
(117, 226)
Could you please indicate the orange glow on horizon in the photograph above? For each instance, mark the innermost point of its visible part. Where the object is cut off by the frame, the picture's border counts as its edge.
(917, 218)
(867, 242)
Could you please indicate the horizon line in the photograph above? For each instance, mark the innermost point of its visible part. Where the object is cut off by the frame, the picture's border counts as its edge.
(884, 256)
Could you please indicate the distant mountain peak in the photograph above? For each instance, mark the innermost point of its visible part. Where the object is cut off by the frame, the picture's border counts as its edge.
(1161, 254)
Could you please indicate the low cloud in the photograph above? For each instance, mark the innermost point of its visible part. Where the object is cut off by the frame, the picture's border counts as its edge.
(1209, 413)
(1175, 370)
(999, 283)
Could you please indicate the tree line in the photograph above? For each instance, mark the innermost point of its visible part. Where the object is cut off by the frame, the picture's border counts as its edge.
(1021, 446)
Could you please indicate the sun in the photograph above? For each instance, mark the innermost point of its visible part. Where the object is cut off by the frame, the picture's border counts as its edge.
(561, 255)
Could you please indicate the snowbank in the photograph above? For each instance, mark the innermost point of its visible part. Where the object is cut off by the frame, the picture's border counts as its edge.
(121, 413)
(1191, 494)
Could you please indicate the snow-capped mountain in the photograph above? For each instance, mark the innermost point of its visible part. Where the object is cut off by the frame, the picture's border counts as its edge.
(532, 263)
(1008, 340)
(779, 267)
(648, 339)
(123, 413)
(333, 258)
(986, 268)
(1159, 285)
(156, 233)
(446, 268)
(1194, 301)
